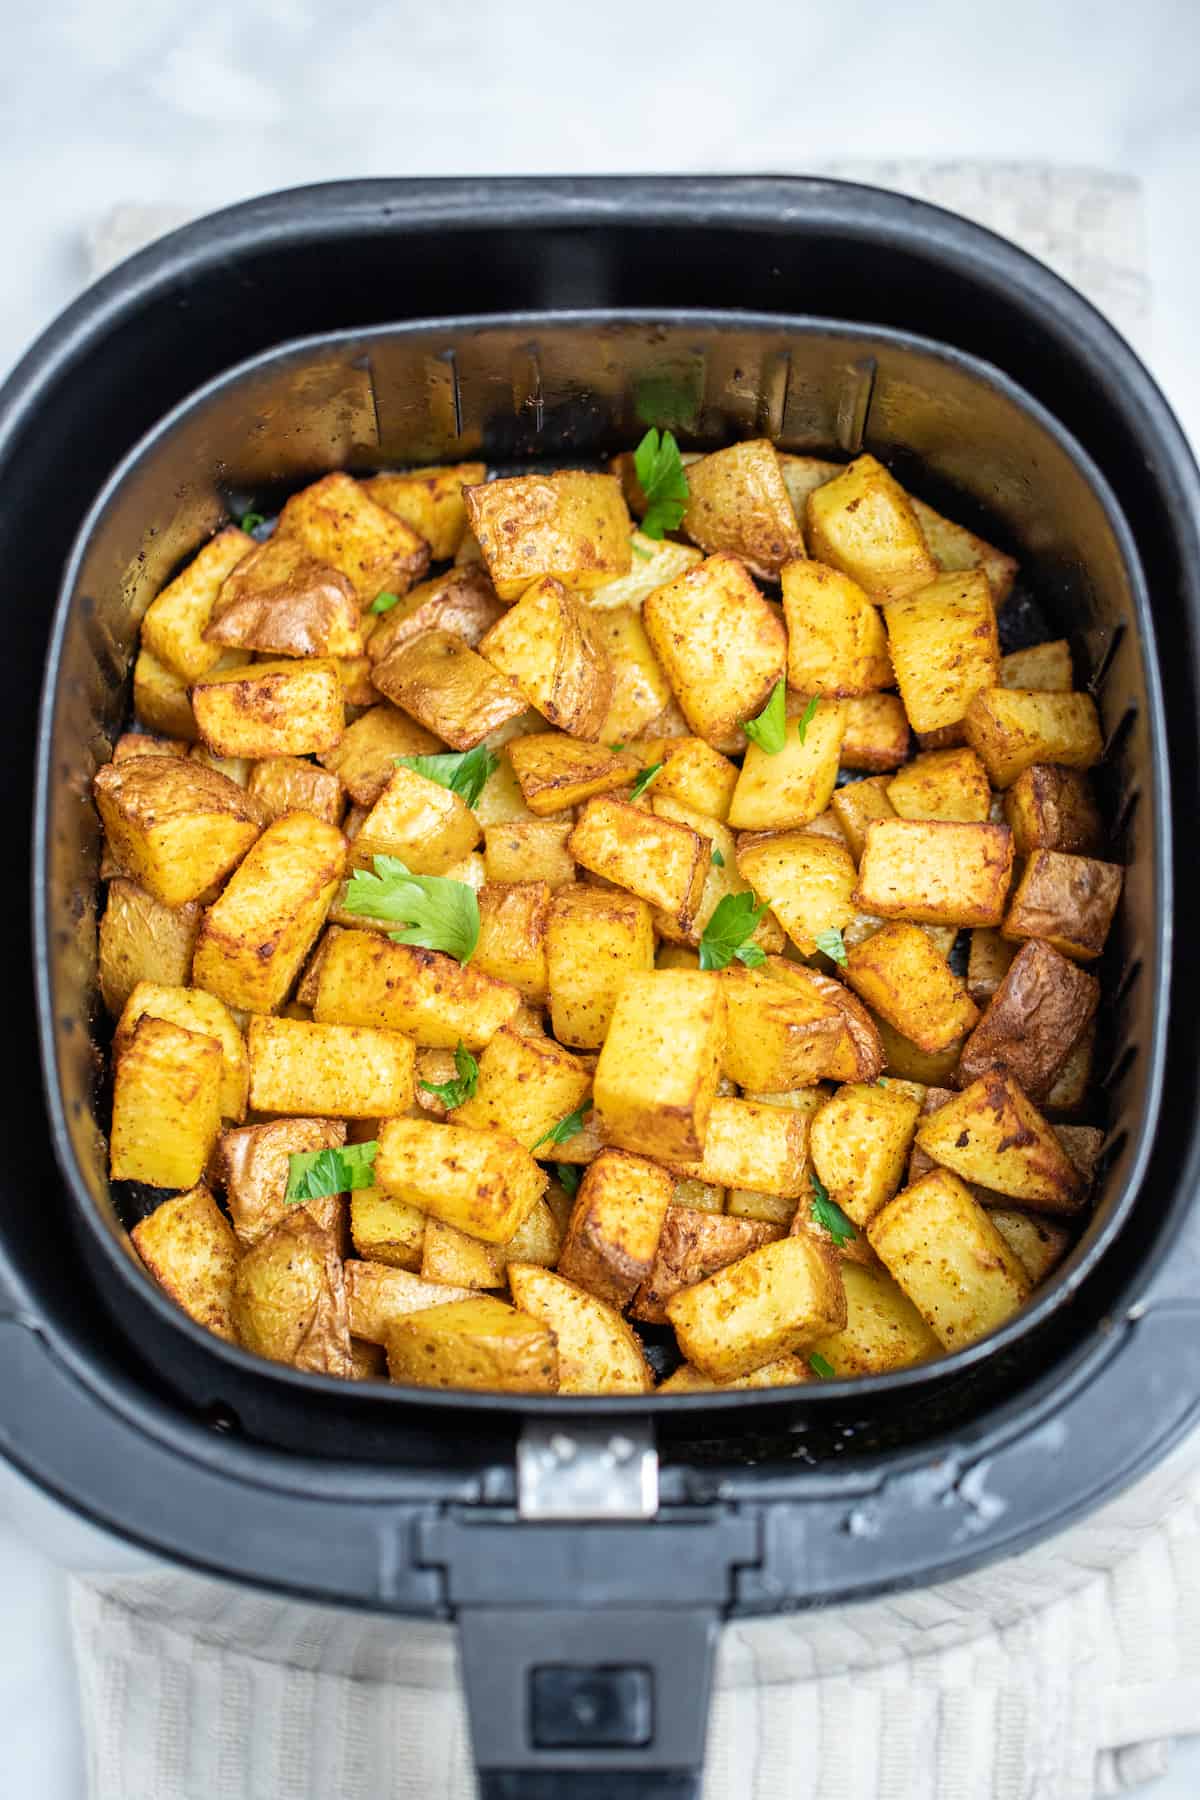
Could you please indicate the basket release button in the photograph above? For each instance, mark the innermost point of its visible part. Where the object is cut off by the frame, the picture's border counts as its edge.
(576, 1707)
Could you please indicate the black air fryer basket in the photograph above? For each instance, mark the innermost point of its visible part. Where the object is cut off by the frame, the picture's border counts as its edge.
(590, 1548)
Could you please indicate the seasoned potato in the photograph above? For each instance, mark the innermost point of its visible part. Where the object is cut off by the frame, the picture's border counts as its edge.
(903, 977)
(722, 877)
(613, 1235)
(785, 1371)
(544, 644)
(721, 644)
(801, 474)
(144, 743)
(807, 879)
(271, 709)
(556, 771)
(166, 1105)
(655, 562)
(859, 1143)
(378, 1295)
(1046, 667)
(946, 1254)
(527, 1086)
(450, 1256)
(856, 804)
(693, 1245)
(944, 648)
(657, 1074)
(364, 759)
(283, 784)
(598, 1353)
(477, 1343)
(903, 1059)
(1071, 1084)
(640, 690)
(426, 825)
(174, 626)
(143, 940)
(161, 700)
(449, 688)
(934, 871)
(254, 1160)
(883, 1328)
(512, 936)
(693, 774)
(281, 601)
(660, 860)
(954, 547)
(289, 1298)
(942, 784)
(1050, 808)
(366, 979)
(595, 938)
(481, 1181)
(338, 522)
(462, 601)
(195, 1011)
(530, 851)
(737, 502)
(875, 733)
(837, 643)
(1069, 901)
(778, 1035)
(862, 522)
(430, 500)
(254, 940)
(189, 1248)
(987, 963)
(748, 1145)
(860, 1054)
(346, 1071)
(176, 827)
(1039, 1011)
(792, 787)
(992, 1133)
(571, 525)
(1010, 729)
(779, 1299)
(1037, 1244)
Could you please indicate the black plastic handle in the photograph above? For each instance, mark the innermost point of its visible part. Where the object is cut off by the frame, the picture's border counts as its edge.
(615, 1784)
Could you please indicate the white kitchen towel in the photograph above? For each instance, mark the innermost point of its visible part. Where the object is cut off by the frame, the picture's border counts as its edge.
(1062, 1674)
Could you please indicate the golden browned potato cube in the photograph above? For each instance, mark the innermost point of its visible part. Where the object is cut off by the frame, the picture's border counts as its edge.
(195, 1011)
(189, 1248)
(792, 787)
(778, 1036)
(944, 648)
(572, 525)
(663, 862)
(544, 644)
(693, 774)
(481, 1181)
(1048, 808)
(737, 502)
(722, 878)
(785, 1371)
(378, 1295)
(693, 1245)
(595, 938)
(366, 979)
(904, 1061)
(364, 760)
(801, 474)
(946, 1254)
(271, 709)
(1041, 1008)
(859, 1143)
(875, 736)
(613, 1235)
(347, 1071)
(254, 1163)
(144, 743)
(462, 601)
(837, 643)
(655, 562)
(640, 690)
(338, 522)
(1046, 667)
(902, 976)
(722, 645)
(556, 771)
(954, 547)
(1068, 901)
(942, 784)
(883, 1328)
(161, 701)
(1010, 729)
(166, 1105)
(430, 500)
(657, 1074)
(806, 878)
(428, 826)
(598, 1353)
(751, 1146)
(449, 1255)
(1037, 1244)
(283, 784)
(289, 1299)
(143, 940)
(530, 851)
(442, 682)
(512, 936)
(174, 626)
(993, 1134)
(779, 1299)
(254, 940)
(859, 1057)
(988, 963)
(281, 601)
(527, 1086)
(856, 804)
(862, 522)
(479, 1343)
(176, 827)
(935, 872)
(1073, 1082)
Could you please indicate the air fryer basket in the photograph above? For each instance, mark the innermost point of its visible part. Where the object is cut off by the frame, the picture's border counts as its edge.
(404, 1503)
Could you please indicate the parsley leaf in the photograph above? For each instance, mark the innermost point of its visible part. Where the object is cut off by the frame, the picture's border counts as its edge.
(384, 602)
(821, 1366)
(729, 931)
(315, 1174)
(567, 1175)
(769, 729)
(439, 914)
(454, 1093)
(660, 471)
(616, 746)
(465, 773)
(833, 944)
(566, 1128)
(828, 1213)
(718, 858)
(807, 716)
(642, 780)
(250, 521)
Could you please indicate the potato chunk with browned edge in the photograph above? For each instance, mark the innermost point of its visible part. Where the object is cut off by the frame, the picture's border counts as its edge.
(935, 872)
(481, 1181)
(944, 648)
(992, 1133)
(806, 879)
(737, 502)
(143, 940)
(657, 1074)
(612, 1238)
(189, 1248)
(859, 1143)
(166, 1105)
(752, 1146)
(175, 826)
(1067, 901)
(428, 826)
(527, 1086)
(722, 645)
(556, 771)
(862, 522)
(942, 784)
(289, 1298)
(595, 938)
(789, 788)
(254, 1161)
(195, 1011)
(365, 757)
(283, 784)
(337, 520)
(175, 622)
(1038, 1013)
(778, 1299)
(875, 733)
(271, 708)
(377, 1295)
(901, 974)
(430, 500)
(692, 1246)
(883, 1328)
(346, 1071)
(569, 524)
(662, 861)
(1010, 729)
(366, 979)
(837, 643)
(1050, 808)
(478, 1343)
(598, 1353)
(778, 1036)
(512, 936)
(281, 601)
(946, 1254)
(544, 644)
(449, 688)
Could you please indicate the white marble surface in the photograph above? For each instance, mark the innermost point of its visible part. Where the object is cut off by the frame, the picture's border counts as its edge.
(103, 101)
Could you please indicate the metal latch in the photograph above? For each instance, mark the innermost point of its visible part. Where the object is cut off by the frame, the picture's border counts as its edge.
(589, 1472)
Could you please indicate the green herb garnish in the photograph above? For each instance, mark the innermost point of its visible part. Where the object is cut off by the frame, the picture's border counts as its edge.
(462, 1088)
(821, 1366)
(250, 521)
(616, 746)
(465, 772)
(718, 858)
(439, 914)
(729, 931)
(663, 481)
(642, 780)
(828, 1213)
(384, 602)
(566, 1128)
(833, 944)
(316, 1174)
(807, 716)
(769, 729)
(567, 1175)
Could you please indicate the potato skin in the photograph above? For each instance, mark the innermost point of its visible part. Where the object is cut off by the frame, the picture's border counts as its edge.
(377, 1295)
(1069, 901)
(737, 502)
(281, 601)
(614, 1230)
(189, 1248)
(1051, 808)
(478, 1343)
(992, 1134)
(143, 940)
(571, 524)
(253, 1161)
(451, 690)
(692, 1246)
(1037, 1015)
(362, 759)
(283, 784)
(289, 1299)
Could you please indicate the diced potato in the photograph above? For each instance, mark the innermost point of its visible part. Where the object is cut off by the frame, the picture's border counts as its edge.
(195, 1011)
(1010, 729)
(364, 760)
(271, 709)
(144, 743)
(722, 645)
(987, 963)
(512, 936)
(530, 851)
(595, 938)
(722, 878)
(479, 1343)
(430, 500)
(806, 878)
(462, 601)
(946, 1254)
(1039, 1011)
(337, 521)
(289, 1299)
(790, 788)
(556, 771)
(378, 1295)
(386, 1230)
(598, 1353)
(856, 804)
(785, 1371)
(174, 625)
(253, 1161)
(737, 502)
(481, 1181)
(176, 827)
(366, 979)
(837, 643)
(426, 825)
(778, 1035)
(944, 648)
(859, 1143)
(166, 1105)
(760, 1209)
(1050, 808)
(254, 940)
(936, 872)
(543, 643)
(903, 977)
(189, 1248)
(993, 1134)
(801, 474)
(161, 701)
(942, 784)
(1045, 667)
(1068, 901)
(449, 688)
(1038, 1245)
(283, 784)
(701, 1196)
(449, 1255)
(859, 1056)
(902, 1058)
(571, 525)
(143, 940)
(657, 1074)
(692, 774)
(748, 1145)
(615, 1226)
(655, 561)
(779, 1299)
(883, 1328)
(347, 1071)
(954, 547)
(640, 690)
(862, 522)
(527, 1086)
(281, 601)
(876, 734)
(663, 862)
(693, 1245)
(1073, 1080)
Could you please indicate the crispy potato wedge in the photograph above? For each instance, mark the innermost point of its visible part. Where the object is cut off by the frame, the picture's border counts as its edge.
(942, 784)
(860, 1057)
(640, 690)
(530, 851)
(571, 525)
(992, 1134)
(281, 601)
(954, 547)
(527, 1086)
(883, 1328)
(773, 1302)
(944, 648)
(430, 500)
(613, 1235)
(289, 1299)
(657, 1074)
(364, 759)
(807, 880)
(789, 789)
(935, 872)
(195, 1011)
(595, 938)
(284, 784)
(663, 862)
(837, 643)
(856, 804)
(1037, 1244)
(477, 1343)
(722, 646)
(862, 522)
(1041, 1008)
(598, 1353)
(903, 977)
(778, 1035)
(271, 709)
(366, 979)
(481, 1181)
(859, 1143)
(189, 1248)
(751, 1146)
(512, 936)
(904, 1061)
(336, 520)
(253, 1161)
(462, 601)
(377, 1296)
(176, 827)
(544, 644)
(1048, 808)
(1067, 901)
(143, 940)
(174, 626)
(737, 503)
(346, 1071)
(693, 1245)
(875, 734)
(555, 771)
(449, 688)
(1010, 729)
(166, 1105)
(1046, 667)
(428, 826)
(943, 1250)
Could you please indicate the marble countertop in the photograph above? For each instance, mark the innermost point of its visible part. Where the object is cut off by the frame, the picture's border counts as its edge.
(193, 107)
